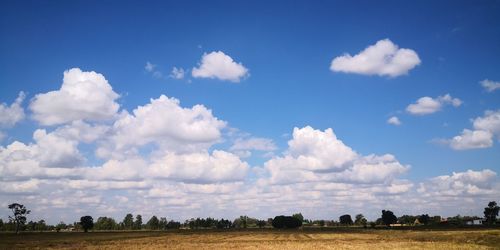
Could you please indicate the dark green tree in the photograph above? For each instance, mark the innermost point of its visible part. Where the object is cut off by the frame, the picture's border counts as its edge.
(87, 222)
(491, 212)
(128, 222)
(153, 223)
(360, 220)
(162, 225)
(424, 219)
(61, 226)
(388, 217)
(407, 219)
(20, 213)
(262, 223)
(299, 216)
(345, 219)
(282, 221)
(138, 222)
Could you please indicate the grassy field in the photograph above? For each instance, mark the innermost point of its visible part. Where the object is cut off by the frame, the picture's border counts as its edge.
(259, 239)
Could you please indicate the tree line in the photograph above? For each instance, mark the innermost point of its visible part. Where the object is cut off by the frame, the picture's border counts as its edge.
(17, 221)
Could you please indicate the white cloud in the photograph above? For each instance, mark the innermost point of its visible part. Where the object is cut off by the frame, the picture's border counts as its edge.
(394, 120)
(471, 139)
(485, 128)
(221, 66)
(254, 143)
(428, 105)
(461, 184)
(82, 96)
(20, 187)
(219, 166)
(383, 58)
(489, 85)
(177, 73)
(54, 151)
(10, 115)
(149, 67)
(317, 156)
(489, 122)
(164, 122)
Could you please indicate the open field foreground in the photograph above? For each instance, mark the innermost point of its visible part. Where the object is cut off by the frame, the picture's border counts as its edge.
(314, 239)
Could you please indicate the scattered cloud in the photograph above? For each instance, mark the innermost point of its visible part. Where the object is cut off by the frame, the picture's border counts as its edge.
(152, 68)
(149, 67)
(428, 105)
(161, 155)
(394, 120)
(383, 58)
(489, 85)
(218, 65)
(177, 73)
(82, 96)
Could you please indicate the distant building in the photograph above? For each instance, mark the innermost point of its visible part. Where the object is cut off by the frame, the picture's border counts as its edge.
(474, 222)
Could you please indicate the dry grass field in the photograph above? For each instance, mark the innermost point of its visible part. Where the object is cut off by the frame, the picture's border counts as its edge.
(260, 239)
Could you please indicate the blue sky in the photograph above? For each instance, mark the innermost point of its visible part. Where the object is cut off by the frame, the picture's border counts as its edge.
(286, 50)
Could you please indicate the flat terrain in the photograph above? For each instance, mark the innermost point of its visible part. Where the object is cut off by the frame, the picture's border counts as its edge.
(259, 239)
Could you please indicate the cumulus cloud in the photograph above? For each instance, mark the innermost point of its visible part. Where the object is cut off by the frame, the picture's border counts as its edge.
(82, 96)
(394, 120)
(489, 85)
(12, 114)
(218, 65)
(485, 129)
(161, 155)
(164, 122)
(383, 58)
(177, 73)
(316, 156)
(428, 105)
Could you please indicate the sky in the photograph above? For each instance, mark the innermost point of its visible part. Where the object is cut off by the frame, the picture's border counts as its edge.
(228, 108)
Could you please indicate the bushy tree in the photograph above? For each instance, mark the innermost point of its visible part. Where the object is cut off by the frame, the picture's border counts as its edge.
(282, 221)
(105, 223)
(424, 219)
(299, 216)
(153, 223)
(87, 222)
(491, 212)
(60, 226)
(19, 217)
(345, 219)
(138, 222)
(407, 219)
(388, 217)
(128, 221)
(360, 220)
(173, 225)
(261, 223)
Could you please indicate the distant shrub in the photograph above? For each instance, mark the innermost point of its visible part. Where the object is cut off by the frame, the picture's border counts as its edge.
(282, 221)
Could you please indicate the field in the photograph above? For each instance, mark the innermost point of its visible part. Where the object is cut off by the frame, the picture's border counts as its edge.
(259, 239)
